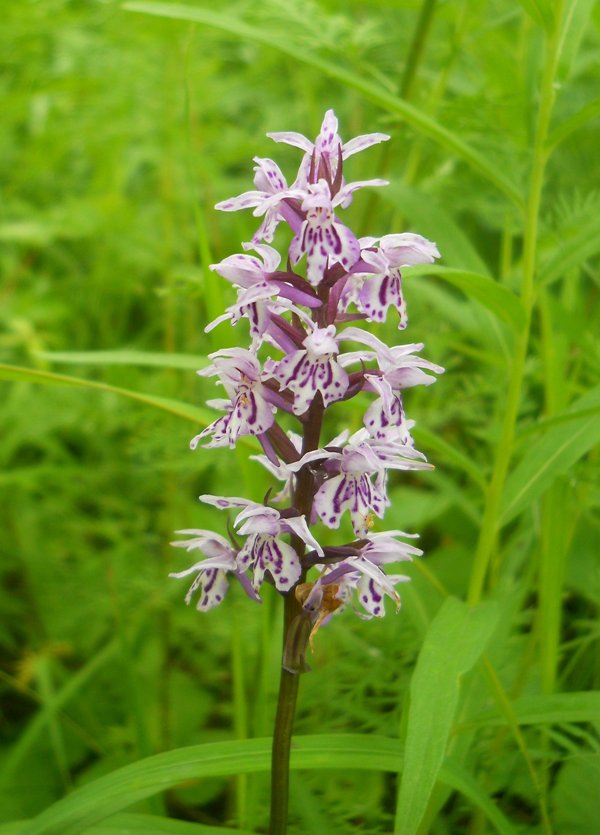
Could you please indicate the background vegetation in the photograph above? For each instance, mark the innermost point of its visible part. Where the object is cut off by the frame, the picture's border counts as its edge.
(121, 129)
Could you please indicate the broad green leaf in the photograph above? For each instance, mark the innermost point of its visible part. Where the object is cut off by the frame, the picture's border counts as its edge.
(455, 640)
(411, 114)
(545, 710)
(126, 357)
(165, 404)
(98, 800)
(550, 456)
(495, 297)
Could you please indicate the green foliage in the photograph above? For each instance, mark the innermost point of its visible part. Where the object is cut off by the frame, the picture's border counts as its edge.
(122, 710)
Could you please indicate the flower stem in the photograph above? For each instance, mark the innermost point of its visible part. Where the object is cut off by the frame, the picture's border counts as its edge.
(296, 629)
(282, 734)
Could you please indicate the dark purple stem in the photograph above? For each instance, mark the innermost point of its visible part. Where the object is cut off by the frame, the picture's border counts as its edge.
(296, 629)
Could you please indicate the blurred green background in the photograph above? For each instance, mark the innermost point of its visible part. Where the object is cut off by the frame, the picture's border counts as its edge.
(120, 131)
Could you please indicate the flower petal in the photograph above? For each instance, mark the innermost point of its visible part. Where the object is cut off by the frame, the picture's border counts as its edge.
(359, 143)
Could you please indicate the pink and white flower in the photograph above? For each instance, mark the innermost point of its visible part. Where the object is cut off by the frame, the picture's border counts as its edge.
(399, 368)
(271, 190)
(295, 310)
(264, 550)
(249, 410)
(363, 574)
(356, 478)
(323, 155)
(312, 369)
(375, 283)
(211, 573)
(322, 237)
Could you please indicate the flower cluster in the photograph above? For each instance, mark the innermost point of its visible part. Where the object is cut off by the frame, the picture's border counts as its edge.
(306, 316)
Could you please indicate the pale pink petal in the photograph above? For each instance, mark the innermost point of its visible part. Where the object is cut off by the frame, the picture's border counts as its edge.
(291, 138)
(247, 200)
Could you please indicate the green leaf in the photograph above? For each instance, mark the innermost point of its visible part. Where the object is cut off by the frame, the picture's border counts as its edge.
(575, 798)
(411, 114)
(470, 788)
(545, 710)
(126, 356)
(573, 123)
(98, 800)
(455, 640)
(427, 440)
(576, 21)
(550, 456)
(495, 297)
(540, 11)
(128, 824)
(572, 251)
(165, 404)
(435, 222)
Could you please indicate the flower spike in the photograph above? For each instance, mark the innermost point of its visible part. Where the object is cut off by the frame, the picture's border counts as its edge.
(303, 303)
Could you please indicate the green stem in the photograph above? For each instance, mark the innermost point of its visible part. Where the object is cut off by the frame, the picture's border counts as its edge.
(490, 522)
(417, 48)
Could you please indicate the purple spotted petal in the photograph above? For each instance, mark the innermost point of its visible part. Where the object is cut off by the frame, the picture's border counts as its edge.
(385, 418)
(348, 492)
(247, 200)
(281, 560)
(378, 293)
(267, 553)
(268, 176)
(225, 502)
(249, 414)
(306, 375)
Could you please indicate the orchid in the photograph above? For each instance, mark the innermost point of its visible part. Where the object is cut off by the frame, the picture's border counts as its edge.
(301, 315)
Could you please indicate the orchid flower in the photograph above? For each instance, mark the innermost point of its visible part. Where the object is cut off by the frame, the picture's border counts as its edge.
(301, 311)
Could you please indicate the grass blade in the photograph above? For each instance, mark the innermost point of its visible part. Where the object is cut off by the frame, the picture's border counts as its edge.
(165, 404)
(545, 710)
(126, 356)
(128, 824)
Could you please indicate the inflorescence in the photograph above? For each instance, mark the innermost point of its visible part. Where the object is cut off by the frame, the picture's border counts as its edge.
(306, 318)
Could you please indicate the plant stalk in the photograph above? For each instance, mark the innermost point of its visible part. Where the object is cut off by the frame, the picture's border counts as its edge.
(296, 631)
(282, 734)
(491, 521)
